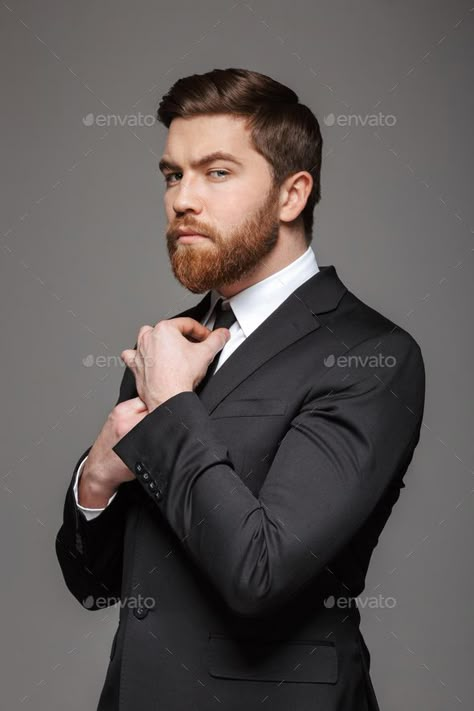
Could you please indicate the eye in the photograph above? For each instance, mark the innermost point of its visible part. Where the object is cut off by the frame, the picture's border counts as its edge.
(219, 170)
(169, 181)
(168, 177)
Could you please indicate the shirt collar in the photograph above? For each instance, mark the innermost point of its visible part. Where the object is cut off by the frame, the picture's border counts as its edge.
(254, 304)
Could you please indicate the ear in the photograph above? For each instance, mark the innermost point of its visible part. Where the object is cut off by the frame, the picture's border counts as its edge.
(295, 192)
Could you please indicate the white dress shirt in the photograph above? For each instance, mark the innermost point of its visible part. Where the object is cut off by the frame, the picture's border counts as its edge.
(251, 307)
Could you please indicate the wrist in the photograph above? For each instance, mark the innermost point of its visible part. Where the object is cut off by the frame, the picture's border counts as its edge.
(93, 491)
(153, 403)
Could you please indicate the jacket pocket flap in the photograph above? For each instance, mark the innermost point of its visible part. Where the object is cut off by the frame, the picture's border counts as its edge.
(261, 660)
(250, 407)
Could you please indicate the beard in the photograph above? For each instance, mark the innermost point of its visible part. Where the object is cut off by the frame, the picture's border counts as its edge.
(224, 259)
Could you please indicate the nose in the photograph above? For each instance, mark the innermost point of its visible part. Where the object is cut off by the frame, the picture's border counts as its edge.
(185, 198)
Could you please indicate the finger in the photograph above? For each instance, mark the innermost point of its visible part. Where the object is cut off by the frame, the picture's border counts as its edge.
(216, 340)
(189, 327)
(144, 329)
(137, 404)
(128, 356)
(134, 405)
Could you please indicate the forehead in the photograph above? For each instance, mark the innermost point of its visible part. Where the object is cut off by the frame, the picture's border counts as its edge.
(193, 137)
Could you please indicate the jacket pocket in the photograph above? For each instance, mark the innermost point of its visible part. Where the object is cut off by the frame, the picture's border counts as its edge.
(310, 661)
(250, 407)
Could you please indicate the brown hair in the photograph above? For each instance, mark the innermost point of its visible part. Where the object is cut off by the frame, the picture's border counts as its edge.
(285, 132)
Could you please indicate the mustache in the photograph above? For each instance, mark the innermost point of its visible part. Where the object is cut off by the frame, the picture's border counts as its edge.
(175, 232)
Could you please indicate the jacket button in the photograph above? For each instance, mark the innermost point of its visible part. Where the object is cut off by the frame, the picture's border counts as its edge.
(140, 612)
(158, 494)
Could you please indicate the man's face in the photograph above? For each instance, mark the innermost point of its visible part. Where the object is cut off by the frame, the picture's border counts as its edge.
(234, 205)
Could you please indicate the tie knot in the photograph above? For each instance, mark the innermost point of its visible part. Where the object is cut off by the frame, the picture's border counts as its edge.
(222, 304)
(225, 317)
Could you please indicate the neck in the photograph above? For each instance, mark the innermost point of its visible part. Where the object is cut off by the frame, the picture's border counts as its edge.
(283, 254)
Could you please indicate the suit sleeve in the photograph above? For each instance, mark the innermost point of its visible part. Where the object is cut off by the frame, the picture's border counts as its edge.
(341, 451)
(90, 552)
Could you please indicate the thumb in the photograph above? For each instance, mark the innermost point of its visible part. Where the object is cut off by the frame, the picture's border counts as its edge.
(217, 339)
(137, 404)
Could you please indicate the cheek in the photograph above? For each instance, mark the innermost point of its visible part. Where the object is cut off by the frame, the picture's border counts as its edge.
(168, 205)
(233, 205)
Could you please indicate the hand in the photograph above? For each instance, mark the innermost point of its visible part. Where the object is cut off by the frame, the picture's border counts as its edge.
(104, 471)
(172, 357)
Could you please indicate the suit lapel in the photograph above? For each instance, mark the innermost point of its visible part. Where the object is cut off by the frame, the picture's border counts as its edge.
(198, 311)
(292, 320)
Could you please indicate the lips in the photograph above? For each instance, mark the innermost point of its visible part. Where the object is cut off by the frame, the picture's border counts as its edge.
(191, 239)
(190, 233)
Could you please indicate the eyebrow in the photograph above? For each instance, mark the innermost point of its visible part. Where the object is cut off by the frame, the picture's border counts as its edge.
(205, 160)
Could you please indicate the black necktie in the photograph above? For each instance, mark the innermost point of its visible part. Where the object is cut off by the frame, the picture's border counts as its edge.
(225, 317)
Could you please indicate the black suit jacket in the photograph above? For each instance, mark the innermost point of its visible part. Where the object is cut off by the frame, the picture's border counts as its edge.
(254, 513)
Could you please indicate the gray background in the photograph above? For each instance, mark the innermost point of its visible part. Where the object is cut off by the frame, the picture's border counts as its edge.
(84, 265)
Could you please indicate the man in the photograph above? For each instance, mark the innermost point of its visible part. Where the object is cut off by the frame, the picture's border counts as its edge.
(236, 492)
